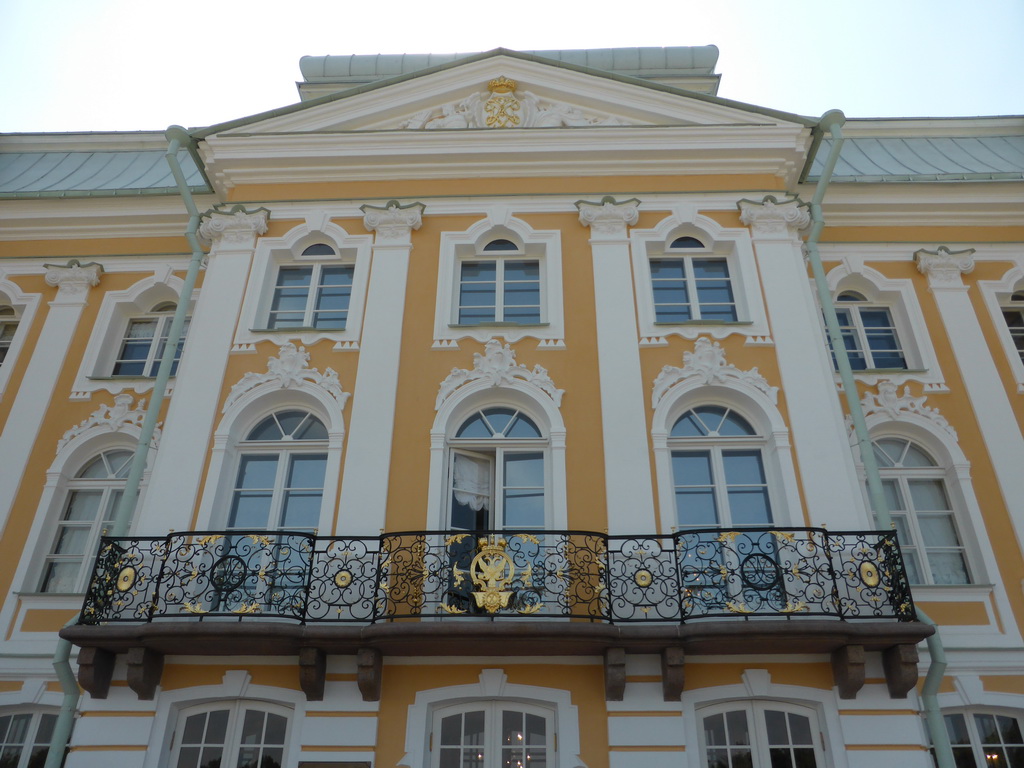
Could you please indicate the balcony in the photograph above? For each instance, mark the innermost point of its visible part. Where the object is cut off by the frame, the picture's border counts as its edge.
(743, 590)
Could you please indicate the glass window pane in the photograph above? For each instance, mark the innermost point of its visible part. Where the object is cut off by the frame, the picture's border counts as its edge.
(194, 727)
(250, 510)
(83, 505)
(956, 728)
(749, 507)
(714, 729)
(499, 418)
(928, 495)
(692, 468)
(781, 758)
(265, 430)
(775, 722)
(512, 728)
(257, 471)
(987, 730)
(800, 729)
(301, 510)
(451, 730)
(312, 429)
(736, 726)
(473, 731)
(474, 427)
(916, 457)
(252, 727)
(689, 426)
(948, 568)
(524, 470)
(696, 508)
(523, 427)
(307, 471)
(938, 530)
(536, 731)
(743, 467)
(1009, 729)
(291, 420)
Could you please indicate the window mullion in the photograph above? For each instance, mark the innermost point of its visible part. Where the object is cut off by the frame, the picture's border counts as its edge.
(720, 487)
(499, 290)
(862, 338)
(691, 289)
(277, 497)
(311, 297)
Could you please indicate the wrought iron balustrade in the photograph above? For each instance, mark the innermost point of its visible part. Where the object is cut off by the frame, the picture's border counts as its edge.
(691, 574)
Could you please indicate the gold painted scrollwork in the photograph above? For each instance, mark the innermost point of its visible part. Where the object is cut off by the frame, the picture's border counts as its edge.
(126, 578)
(869, 574)
(342, 579)
(643, 578)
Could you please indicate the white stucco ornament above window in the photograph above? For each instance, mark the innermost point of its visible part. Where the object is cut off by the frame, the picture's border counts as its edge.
(236, 226)
(772, 218)
(503, 105)
(497, 366)
(893, 405)
(289, 369)
(112, 418)
(707, 364)
(74, 278)
(945, 267)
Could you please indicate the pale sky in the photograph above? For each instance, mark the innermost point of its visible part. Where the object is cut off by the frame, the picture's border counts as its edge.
(72, 65)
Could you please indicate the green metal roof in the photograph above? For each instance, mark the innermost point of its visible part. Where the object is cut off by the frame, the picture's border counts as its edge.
(900, 159)
(77, 173)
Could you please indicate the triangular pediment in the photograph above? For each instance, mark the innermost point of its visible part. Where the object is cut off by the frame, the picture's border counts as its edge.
(504, 90)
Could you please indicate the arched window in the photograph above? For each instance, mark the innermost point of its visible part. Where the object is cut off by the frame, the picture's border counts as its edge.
(25, 738)
(92, 498)
(145, 337)
(241, 734)
(759, 734)
(917, 497)
(281, 468)
(690, 283)
(8, 327)
(1013, 314)
(498, 472)
(493, 734)
(869, 333)
(985, 739)
(718, 470)
(500, 284)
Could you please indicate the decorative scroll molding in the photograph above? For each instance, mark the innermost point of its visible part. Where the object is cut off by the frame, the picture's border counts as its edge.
(394, 222)
(896, 406)
(504, 106)
(290, 369)
(608, 217)
(497, 365)
(74, 278)
(236, 226)
(112, 418)
(944, 267)
(707, 364)
(771, 218)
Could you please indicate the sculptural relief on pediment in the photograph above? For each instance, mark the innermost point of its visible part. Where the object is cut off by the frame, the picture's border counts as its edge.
(503, 105)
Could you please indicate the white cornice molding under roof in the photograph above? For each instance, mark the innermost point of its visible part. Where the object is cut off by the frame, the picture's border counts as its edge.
(775, 150)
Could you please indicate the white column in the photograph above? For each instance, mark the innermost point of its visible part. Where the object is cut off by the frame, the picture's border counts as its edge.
(18, 437)
(985, 390)
(184, 446)
(828, 475)
(364, 487)
(627, 464)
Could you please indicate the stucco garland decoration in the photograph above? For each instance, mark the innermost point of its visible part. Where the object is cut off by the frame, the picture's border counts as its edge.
(289, 369)
(112, 418)
(707, 364)
(497, 365)
(895, 406)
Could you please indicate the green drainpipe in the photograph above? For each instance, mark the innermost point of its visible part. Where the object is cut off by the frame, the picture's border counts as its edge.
(177, 138)
(832, 122)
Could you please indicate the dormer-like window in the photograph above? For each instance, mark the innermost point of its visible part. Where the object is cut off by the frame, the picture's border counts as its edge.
(499, 285)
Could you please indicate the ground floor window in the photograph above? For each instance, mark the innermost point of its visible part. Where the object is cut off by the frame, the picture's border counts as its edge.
(238, 735)
(492, 735)
(985, 740)
(760, 735)
(25, 738)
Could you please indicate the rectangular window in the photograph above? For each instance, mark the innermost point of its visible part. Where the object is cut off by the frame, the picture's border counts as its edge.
(316, 296)
(1014, 322)
(6, 337)
(499, 291)
(143, 347)
(687, 289)
(869, 334)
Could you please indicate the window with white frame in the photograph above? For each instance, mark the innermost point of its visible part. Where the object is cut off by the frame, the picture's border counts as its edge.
(493, 734)
(688, 283)
(8, 327)
(718, 470)
(143, 343)
(869, 333)
(985, 739)
(500, 284)
(25, 738)
(759, 734)
(317, 295)
(280, 478)
(497, 472)
(919, 502)
(89, 508)
(230, 735)
(1013, 314)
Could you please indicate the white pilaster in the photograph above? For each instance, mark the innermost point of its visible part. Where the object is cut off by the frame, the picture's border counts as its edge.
(17, 439)
(992, 407)
(627, 465)
(364, 488)
(828, 475)
(178, 469)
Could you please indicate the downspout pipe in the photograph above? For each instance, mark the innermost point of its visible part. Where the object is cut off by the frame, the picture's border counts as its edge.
(832, 122)
(177, 138)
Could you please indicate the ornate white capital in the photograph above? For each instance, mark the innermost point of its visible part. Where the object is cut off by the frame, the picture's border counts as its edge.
(394, 222)
(112, 418)
(895, 406)
(608, 218)
(944, 267)
(289, 369)
(73, 279)
(235, 227)
(773, 219)
(497, 365)
(707, 364)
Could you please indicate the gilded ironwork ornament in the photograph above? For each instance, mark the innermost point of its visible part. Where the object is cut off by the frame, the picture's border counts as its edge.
(869, 574)
(491, 570)
(343, 578)
(126, 578)
(643, 578)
